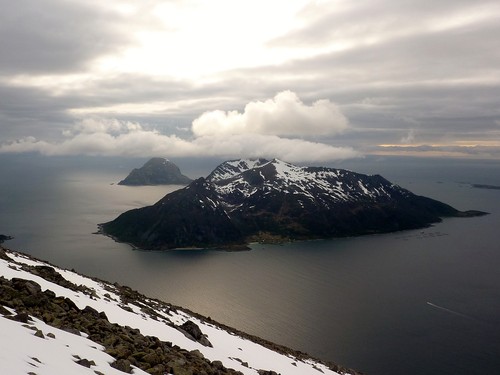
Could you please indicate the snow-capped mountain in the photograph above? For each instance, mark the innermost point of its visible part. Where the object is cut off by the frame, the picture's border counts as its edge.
(318, 185)
(233, 168)
(260, 200)
(54, 321)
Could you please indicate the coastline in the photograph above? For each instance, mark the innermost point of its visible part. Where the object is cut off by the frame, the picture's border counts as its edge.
(276, 239)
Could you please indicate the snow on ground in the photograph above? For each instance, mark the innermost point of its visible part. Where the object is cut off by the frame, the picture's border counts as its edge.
(18, 345)
(21, 352)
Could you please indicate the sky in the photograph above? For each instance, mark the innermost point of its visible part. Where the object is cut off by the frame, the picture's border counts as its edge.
(304, 81)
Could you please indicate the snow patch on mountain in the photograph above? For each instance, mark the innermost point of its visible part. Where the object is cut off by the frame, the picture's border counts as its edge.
(235, 179)
(232, 168)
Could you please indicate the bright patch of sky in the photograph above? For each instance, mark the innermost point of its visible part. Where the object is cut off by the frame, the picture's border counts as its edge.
(198, 38)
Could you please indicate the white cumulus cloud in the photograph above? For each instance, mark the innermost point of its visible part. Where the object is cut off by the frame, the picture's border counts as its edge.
(272, 146)
(264, 129)
(106, 137)
(283, 115)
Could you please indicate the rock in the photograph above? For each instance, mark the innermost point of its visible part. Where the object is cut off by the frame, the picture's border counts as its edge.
(3, 254)
(72, 330)
(122, 365)
(152, 358)
(48, 273)
(194, 331)
(197, 353)
(157, 370)
(22, 317)
(40, 334)
(179, 368)
(30, 286)
(218, 365)
(85, 362)
(4, 311)
(157, 171)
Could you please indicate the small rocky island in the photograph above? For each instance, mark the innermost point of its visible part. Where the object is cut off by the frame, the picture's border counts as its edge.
(244, 201)
(157, 171)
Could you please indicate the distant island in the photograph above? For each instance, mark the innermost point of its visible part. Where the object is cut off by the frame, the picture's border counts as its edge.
(482, 186)
(157, 171)
(244, 201)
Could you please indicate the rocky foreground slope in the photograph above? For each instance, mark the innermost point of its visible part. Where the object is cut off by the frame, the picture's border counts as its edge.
(260, 200)
(54, 321)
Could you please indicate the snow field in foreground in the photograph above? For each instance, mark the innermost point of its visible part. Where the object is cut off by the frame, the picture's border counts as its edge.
(18, 345)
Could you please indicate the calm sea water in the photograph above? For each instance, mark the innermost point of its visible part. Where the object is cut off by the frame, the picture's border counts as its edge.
(414, 302)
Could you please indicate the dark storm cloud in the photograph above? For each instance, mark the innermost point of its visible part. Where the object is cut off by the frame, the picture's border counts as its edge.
(55, 36)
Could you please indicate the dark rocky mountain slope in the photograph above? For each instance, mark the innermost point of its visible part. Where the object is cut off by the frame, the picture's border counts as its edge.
(259, 200)
(157, 171)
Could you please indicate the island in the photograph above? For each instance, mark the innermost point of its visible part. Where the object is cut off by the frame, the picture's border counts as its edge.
(483, 186)
(259, 200)
(156, 171)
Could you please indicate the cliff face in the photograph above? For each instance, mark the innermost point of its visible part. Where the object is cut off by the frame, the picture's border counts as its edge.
(157, 171)
(253, 200)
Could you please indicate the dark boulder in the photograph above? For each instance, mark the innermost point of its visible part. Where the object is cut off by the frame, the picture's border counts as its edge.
(192, 331)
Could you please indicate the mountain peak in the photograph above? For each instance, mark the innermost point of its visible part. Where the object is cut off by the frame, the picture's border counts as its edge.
(156, 171)
(232, 168)
(158, 160)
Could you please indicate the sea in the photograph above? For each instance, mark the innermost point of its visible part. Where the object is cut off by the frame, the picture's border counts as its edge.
(422, 301)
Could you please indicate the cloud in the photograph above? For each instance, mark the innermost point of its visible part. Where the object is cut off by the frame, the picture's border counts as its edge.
(105, 137)
(356, 24)
(57, 36)
(409, 138)
(284, 115)
(478, 151)
(112, 137)
(271, 146)
(390, 66)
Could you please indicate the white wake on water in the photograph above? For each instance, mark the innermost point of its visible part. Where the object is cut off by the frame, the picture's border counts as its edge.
(449, 311)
